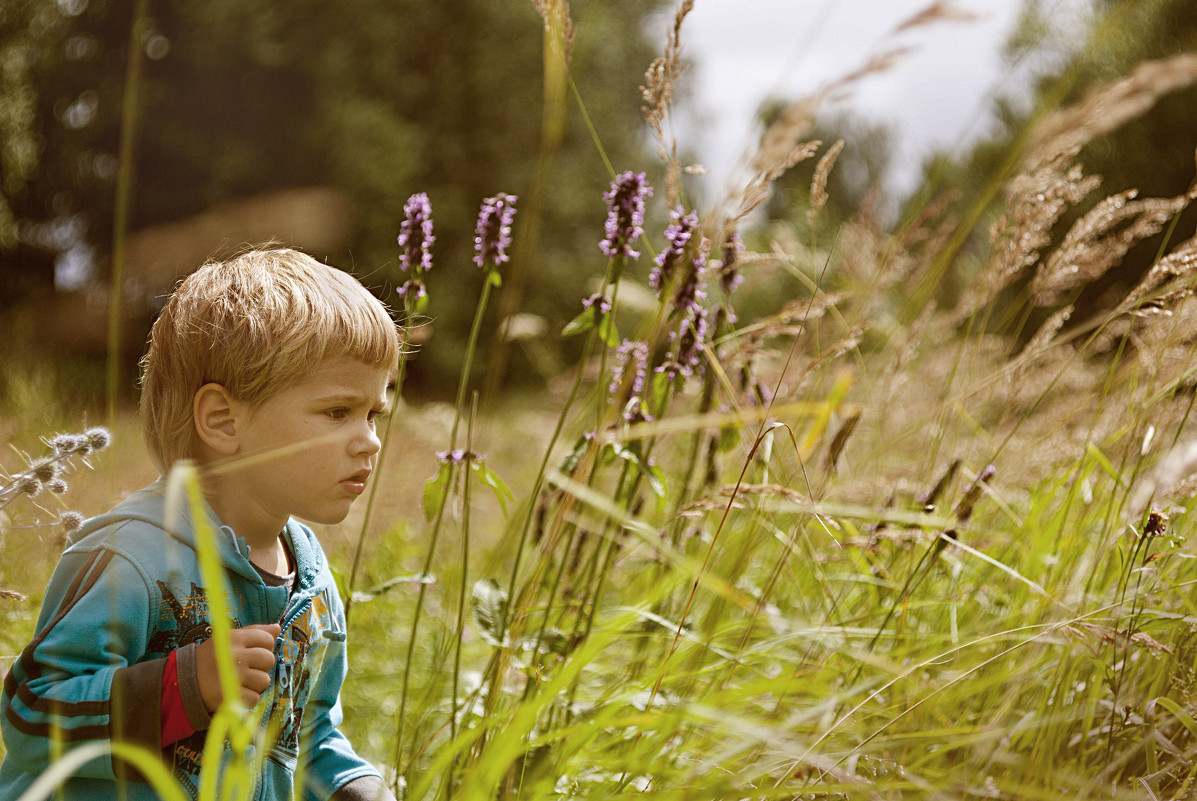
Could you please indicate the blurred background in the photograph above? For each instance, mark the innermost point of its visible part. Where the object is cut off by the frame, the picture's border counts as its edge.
(311, 123)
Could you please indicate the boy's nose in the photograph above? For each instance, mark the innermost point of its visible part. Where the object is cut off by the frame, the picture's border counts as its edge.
(369, 443)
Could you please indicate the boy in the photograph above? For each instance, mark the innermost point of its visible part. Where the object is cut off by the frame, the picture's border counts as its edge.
(269, 371)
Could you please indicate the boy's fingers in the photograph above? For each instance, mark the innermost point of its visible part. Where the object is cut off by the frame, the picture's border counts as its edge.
(255, 680)
(255, 636)
(257, 659)
(249, 698)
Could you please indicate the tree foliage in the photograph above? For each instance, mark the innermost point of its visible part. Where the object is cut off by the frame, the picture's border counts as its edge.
(377, 98)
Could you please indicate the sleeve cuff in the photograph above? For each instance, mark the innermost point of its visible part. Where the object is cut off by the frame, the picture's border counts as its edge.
(136, 693)
(193, 703)
(364, 788)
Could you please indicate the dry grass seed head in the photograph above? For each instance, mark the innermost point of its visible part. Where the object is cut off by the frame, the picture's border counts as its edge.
(939, 11)
(818, 184)
(657, 93)
(1099, 240)
(559, 23)
(1040, 343)
(1107, 107)
(1035, 201)
(1176, 268)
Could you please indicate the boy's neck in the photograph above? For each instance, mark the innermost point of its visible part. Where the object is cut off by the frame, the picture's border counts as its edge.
(261, 532)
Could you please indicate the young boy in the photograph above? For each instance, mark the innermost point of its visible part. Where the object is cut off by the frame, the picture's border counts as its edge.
(268, 371)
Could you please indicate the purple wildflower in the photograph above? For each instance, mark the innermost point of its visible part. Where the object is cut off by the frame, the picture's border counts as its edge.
(631, 359)
(678, 235)
(625, 214)
(692, 290)
(412, 290)
(493, 234)
(599, 302)
(415, 234)
(458, 456)
(689, 338)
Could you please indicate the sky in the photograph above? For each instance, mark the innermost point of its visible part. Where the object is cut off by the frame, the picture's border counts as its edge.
(743, 51)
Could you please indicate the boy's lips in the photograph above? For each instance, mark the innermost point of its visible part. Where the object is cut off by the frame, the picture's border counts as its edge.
(356, 483)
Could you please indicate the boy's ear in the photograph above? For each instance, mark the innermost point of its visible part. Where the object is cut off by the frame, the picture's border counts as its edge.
(215, 415)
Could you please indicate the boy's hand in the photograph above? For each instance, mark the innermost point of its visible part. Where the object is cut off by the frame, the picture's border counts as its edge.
(253, 656)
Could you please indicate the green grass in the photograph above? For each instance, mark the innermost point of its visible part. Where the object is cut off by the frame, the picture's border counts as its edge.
(878, 547)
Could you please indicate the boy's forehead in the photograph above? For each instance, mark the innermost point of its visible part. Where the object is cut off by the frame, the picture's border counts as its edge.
(345, 377)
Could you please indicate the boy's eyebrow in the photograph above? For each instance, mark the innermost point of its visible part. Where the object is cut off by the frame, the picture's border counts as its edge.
(350, 396)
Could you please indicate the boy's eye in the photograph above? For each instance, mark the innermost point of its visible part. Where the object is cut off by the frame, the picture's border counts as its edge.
(337, 414)
(374, 414)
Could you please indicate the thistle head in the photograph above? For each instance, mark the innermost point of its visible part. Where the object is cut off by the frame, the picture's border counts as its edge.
(71, 520)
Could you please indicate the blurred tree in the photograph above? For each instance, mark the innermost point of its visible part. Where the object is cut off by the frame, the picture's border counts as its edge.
(378, 98)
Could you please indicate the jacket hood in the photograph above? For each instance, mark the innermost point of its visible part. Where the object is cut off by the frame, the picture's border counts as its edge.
(150, 505)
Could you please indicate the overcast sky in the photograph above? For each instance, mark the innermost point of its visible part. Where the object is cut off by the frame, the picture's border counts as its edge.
(746, 50)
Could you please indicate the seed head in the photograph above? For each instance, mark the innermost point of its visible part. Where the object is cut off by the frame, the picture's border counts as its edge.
(68, 443)
(415, 234)
(71, 520)
(56, 485)
(27, 484)
(493, 233)
(45, 470)
(98, 438)
(625, 214)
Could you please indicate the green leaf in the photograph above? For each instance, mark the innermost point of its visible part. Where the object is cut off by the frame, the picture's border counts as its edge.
(607, 331)
(435, 491)
(374, 592)
(491, 479)
(490, 610)
(729, 437)
(652, 474)
(660, 391)
(580, 324)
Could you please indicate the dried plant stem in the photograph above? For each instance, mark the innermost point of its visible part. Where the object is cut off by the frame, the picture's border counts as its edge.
(124, 184)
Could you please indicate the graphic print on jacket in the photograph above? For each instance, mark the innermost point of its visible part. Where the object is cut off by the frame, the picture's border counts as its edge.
(299, 653)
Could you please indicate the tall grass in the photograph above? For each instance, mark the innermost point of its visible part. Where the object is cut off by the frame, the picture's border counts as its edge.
(882, 541)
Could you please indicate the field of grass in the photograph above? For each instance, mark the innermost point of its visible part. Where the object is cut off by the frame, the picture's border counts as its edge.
(877, 540)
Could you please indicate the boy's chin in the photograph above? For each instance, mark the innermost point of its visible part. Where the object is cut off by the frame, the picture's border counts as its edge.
(327, 518)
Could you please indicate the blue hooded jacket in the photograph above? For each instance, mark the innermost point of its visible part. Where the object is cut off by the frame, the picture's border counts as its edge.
(125, 594)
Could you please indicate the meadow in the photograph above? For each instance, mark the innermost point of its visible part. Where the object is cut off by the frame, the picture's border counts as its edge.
(862, 511)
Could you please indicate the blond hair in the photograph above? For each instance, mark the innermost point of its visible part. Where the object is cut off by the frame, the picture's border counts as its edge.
(254, 324)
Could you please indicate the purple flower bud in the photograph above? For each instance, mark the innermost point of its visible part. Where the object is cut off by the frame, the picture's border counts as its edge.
(413, 290)
(625, 214)
(689, 340)
(729, 272)
(415, 234)
(677, 235)
(458, 456)
(692, 289)
(630, 357)
(599, 302)
(493, 234)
